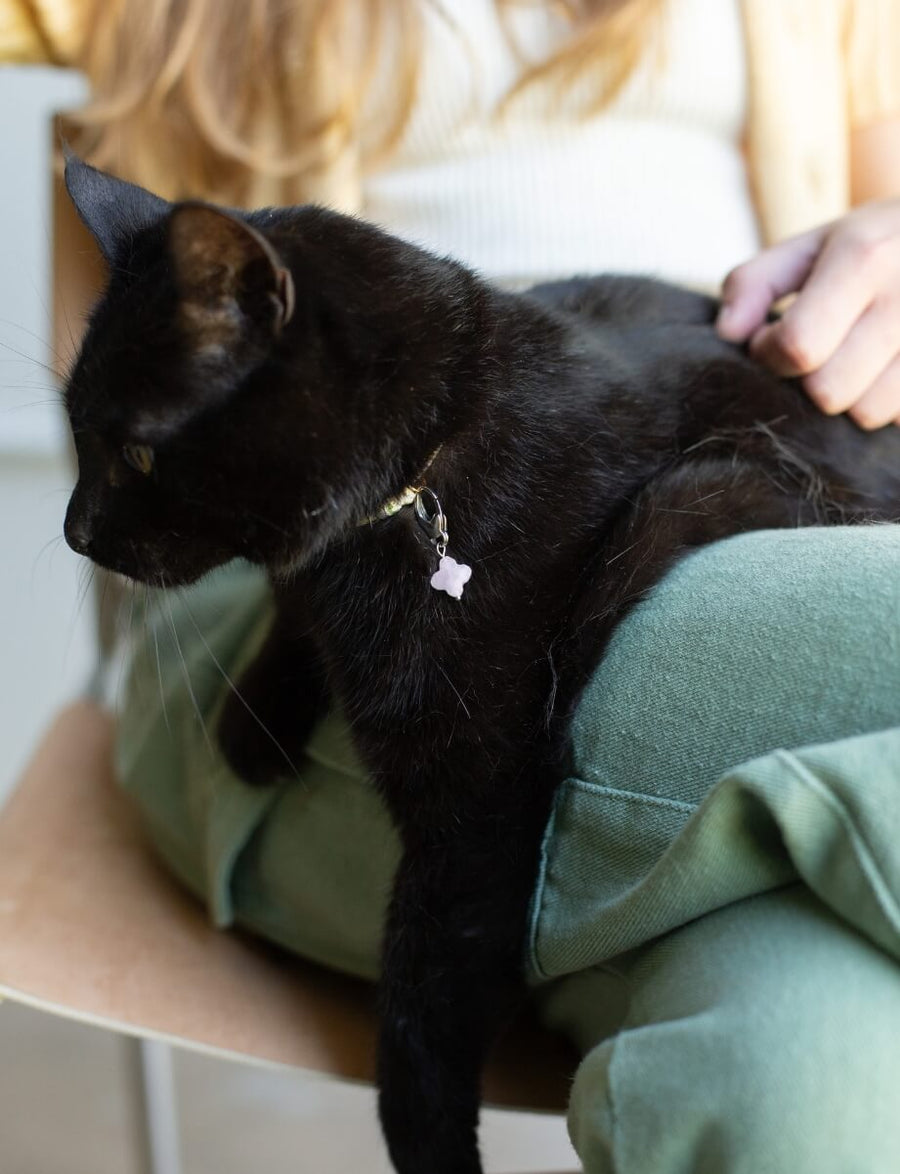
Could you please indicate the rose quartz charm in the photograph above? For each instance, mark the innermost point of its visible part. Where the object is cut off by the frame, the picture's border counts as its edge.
(451, 576)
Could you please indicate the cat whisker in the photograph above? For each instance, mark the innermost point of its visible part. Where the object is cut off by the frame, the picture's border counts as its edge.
(31, 404)
(154, 628)
(29, 358)
(235, 689)
(162, 693)
(54, 542)
(86, 574)
(101, 603)
(87, 582)
(453, 687)
(186, 674)
(123, 636)
(37, 337)
(66, 366)
(141, 593)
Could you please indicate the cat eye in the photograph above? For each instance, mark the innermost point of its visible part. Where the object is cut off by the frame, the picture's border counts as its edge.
(139, 456)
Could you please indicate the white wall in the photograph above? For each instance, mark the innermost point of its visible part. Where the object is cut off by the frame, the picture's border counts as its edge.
(46, 643)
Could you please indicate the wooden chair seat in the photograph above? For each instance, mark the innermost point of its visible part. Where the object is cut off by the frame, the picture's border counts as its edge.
(93, 929)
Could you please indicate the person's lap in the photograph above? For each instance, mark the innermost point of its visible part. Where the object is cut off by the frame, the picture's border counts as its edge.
(666, 860)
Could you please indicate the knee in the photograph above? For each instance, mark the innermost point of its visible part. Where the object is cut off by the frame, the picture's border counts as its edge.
(801, 1078)
(681, 1105)
(636, 1109)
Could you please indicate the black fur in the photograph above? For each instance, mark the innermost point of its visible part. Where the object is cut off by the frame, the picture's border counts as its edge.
(588, 433)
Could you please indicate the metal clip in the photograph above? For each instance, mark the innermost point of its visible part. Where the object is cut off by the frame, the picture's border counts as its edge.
(431, 519)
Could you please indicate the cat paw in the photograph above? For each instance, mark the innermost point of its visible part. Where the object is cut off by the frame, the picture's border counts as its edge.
(254, 751)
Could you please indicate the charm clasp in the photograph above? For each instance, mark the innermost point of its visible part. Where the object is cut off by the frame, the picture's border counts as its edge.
(432, 519)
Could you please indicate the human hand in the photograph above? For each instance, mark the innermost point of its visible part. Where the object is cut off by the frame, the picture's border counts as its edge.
(841, 334)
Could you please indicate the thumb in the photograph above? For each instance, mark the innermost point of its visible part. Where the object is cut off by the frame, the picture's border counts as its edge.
(749, 291)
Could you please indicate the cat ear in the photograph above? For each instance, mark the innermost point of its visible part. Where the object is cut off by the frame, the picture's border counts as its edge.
(226, 273)
(112, 209)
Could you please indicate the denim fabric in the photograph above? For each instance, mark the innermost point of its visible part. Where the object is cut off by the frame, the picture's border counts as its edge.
(752, 649)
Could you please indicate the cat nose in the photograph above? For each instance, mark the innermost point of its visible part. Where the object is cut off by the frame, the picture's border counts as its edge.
(78, 536)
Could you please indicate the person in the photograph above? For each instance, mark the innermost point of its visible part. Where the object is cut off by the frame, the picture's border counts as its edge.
(715, 923)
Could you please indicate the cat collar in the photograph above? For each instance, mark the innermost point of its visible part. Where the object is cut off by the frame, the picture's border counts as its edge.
(450, 575)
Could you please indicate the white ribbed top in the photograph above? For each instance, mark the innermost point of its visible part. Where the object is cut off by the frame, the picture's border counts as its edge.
(655, 184)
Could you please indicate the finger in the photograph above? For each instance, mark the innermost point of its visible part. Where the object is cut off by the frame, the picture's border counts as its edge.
(749, 290)
(842, 283)
(881, 403)
(868, 350)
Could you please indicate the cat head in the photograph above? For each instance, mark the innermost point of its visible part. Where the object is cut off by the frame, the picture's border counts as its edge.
(247, 386)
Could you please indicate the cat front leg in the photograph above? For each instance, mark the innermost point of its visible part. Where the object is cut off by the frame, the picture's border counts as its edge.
(268, 716)
(452, 977)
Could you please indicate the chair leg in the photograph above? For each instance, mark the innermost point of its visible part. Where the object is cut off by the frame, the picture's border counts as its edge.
(151, 1096)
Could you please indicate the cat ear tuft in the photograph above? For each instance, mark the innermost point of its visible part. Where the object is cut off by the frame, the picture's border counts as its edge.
(113, 210)
(226, 273)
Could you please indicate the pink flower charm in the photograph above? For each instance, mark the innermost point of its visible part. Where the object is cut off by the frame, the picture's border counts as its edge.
(451, 576)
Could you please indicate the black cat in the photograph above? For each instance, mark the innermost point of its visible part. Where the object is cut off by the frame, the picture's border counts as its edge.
(276, 386)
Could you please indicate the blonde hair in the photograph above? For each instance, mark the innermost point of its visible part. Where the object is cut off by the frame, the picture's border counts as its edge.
(257, 101)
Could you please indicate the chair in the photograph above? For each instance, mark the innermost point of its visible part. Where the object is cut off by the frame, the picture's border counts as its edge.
(91, 928)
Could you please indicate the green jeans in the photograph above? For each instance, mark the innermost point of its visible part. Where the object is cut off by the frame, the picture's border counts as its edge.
(716, 922)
